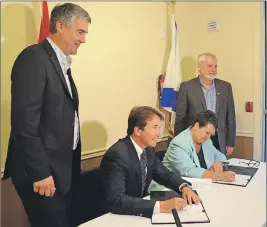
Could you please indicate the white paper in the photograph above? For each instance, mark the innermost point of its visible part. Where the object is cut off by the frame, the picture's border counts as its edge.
(200, 184)
(191, 213)
(239, 180)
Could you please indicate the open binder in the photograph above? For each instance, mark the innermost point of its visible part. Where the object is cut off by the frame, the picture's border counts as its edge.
(243, 175)
(190, 214)
(242, 170)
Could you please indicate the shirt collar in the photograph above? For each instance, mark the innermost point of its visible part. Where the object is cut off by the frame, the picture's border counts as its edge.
(64, 60)
(138, 149)
(212, 86)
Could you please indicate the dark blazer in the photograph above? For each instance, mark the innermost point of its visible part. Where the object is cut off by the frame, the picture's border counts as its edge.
(121, 178)
(191, 101)
(42, 120)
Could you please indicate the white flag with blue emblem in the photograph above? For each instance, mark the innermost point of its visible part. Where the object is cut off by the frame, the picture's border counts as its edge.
(173, 76)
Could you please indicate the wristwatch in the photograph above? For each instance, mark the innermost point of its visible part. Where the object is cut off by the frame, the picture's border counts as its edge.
(184, 185)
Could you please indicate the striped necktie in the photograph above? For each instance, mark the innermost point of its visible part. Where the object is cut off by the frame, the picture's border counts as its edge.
(143, 163)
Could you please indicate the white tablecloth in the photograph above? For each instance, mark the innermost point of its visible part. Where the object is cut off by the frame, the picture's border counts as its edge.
(226, 206)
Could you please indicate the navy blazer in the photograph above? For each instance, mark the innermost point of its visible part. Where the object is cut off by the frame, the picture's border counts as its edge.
(121, 178)
(42, 121)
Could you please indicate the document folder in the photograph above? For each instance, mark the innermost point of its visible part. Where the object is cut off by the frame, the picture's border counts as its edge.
(190, 214)
(242, 170)
(243, 175)
(240, 180)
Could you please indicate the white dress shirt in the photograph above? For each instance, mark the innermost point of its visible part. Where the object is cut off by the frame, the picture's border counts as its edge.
(65, 63)
(139, 151)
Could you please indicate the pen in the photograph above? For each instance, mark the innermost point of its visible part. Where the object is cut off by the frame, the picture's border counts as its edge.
(225, 166)
(226, 163)
(176, 218)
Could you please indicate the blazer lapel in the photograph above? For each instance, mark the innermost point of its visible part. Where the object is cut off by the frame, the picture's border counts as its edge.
(206, 153)
(193, 149)
(56, 65)
(219, 96)
(75, 97)
(135, 161)
(195, 157)
(200, 93)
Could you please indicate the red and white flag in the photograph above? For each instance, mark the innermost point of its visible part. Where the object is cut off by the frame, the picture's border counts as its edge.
(44, 26)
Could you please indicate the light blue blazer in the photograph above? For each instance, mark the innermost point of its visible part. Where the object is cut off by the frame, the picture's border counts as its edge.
(181, 156)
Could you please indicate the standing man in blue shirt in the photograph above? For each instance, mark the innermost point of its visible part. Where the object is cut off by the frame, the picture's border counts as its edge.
(205, 92)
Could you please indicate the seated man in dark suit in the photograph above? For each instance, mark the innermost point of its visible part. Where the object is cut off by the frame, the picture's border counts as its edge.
(128, 167)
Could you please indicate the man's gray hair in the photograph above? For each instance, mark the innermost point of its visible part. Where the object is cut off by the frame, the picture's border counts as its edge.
(204, 56)
(66, 13)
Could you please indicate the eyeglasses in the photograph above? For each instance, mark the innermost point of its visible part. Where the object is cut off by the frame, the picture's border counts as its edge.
(251, 163)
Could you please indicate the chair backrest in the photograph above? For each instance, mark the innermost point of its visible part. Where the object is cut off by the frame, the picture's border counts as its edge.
(88, 202)
(91, 196)
(12, 210)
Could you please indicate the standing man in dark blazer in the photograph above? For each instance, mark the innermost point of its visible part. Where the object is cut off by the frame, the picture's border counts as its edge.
(45, 149)
(128, 167)
(206, 92)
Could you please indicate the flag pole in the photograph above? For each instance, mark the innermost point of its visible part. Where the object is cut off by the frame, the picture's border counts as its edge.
(172, 78)
(172, 3)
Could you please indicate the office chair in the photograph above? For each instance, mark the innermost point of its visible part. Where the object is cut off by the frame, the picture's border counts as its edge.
(89, 203)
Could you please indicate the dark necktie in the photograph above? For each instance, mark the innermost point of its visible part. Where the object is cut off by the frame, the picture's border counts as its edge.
(74, 99)
(143, 163)
(73, 89)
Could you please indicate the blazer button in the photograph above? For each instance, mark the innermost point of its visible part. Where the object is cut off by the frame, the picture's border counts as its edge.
(72, 123)
(71, 147)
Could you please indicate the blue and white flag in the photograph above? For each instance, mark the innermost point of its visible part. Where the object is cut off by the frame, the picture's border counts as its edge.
(173, 76)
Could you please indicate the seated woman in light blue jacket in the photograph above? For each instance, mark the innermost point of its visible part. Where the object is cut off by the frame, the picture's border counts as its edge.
(192, 154)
